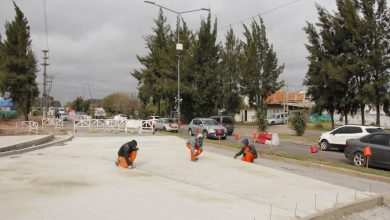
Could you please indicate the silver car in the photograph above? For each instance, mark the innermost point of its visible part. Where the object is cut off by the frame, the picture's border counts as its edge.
(208, 127)
(166, 124)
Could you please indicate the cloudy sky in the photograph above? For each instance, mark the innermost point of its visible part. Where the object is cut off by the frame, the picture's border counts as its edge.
(93, 43)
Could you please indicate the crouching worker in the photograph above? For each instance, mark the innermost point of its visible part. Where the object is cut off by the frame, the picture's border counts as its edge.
(248, 151)
(195, 144)
(127, 154)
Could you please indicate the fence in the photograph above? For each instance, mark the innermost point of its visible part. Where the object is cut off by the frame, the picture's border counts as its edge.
(104, 124)
(29, 126)
(57, 123)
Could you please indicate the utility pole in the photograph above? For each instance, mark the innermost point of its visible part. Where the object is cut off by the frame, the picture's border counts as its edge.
(44, 93)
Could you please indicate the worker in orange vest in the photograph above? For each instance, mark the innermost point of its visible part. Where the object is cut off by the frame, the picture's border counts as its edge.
(127, 154)
(195, 144)
(248, 151)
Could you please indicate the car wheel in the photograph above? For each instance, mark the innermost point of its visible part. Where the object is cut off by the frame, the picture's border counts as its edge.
(273, 123)
(190, 132)
(205, 134)
(324, 145)
(359, 159)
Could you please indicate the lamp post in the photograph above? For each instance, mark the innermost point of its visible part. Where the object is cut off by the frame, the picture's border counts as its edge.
(179, 47)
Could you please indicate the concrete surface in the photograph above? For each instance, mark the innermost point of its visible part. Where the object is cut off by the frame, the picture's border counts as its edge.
(6, 141)
(79, 181)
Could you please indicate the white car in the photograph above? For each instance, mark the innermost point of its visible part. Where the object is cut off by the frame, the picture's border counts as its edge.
(277, 118)
(338, 137)
(120, 117)
(166, 124)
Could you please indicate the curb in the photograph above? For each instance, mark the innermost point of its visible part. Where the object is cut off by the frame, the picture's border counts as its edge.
(33, 147)
(340, 211)
(27, 144)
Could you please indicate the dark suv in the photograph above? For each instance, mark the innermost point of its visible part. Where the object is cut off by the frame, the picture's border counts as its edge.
(226, 121)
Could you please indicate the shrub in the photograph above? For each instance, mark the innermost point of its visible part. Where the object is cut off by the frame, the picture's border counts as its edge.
(319, 125)
(298, 122)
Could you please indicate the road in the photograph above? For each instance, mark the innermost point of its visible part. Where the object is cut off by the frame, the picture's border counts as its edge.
(298, 149)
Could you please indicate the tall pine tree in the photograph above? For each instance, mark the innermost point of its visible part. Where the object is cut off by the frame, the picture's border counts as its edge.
(258, 65)
(18, 67)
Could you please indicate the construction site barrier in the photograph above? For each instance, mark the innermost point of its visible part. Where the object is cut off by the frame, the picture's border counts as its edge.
(29, 126)
(147, 125)
(119, 125)
(81, 124)
(56, 122)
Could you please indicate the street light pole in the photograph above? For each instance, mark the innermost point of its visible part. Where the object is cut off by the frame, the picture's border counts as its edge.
(179, 47)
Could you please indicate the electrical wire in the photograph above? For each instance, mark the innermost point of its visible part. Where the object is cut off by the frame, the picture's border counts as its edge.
(261, 13)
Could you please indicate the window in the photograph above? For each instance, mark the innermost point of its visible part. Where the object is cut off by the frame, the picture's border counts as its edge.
(355, 130)
(380, 139)
(227, 120)
(218, 119)
(342, 130)
(373, 130)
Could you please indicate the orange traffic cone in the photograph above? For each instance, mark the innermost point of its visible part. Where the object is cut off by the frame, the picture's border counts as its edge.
(313, 149)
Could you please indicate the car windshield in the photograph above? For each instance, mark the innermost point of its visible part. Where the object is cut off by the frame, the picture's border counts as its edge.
(373, 130)
(210, 122)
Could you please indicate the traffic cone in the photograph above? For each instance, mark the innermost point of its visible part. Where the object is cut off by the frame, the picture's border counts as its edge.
(313, 149)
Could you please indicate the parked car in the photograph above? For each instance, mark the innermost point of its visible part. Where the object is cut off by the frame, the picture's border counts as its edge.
(63, 116)
(226, 121)
(208, 127)
(120, 117)
(277, 118)
(166, 124)
(379, 143)
(338, 137)
(154, 118)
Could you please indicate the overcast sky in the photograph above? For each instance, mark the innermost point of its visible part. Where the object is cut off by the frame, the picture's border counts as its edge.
(93, 43)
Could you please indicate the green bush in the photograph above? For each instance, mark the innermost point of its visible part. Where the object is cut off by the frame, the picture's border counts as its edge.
(261, 119)
(298, 122)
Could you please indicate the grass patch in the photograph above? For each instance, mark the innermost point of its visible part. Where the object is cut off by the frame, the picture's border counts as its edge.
(319, 126)
(299, 139)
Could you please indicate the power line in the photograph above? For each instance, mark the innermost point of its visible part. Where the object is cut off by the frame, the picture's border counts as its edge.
(261, 13)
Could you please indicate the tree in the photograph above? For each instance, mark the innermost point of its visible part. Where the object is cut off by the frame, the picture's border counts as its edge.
(122, 103)
(156, 79)
(349, 57)
(18, 67)
(80, 105)
(258, 65)
(228, 74)
(205, 65)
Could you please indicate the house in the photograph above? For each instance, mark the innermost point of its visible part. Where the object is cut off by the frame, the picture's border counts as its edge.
(278, 102)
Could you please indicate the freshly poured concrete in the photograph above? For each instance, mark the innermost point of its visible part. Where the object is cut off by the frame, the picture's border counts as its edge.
(80, 181)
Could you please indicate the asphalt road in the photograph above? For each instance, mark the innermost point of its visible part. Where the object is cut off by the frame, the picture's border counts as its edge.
(287, 146)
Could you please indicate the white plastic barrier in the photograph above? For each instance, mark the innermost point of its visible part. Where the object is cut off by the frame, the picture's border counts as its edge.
(120, 125)
(274, 140)
(57, 123)
(30, 126)
(134, 125)
(147, 125)
(81, 124)
(97, 123)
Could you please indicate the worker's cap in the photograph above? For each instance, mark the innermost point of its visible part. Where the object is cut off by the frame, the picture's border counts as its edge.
(245, 142)
(199, 136)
